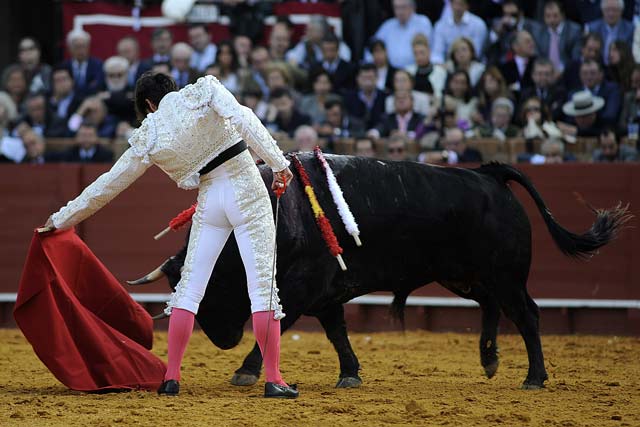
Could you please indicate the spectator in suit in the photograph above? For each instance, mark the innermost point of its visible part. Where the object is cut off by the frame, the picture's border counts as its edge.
(307, 54)
(620, 65)
(400, 31)
(14, 83)
(455, 143)
(129, 48)
(280, 40)
(36, 115)
(593, 80)
(313, 104)
(119, 95)
(459, 23)
(367, 101)
(398, 148)
(559, 40)
(161, 42)
(463, 57)
(94, 111)
(612, 26)
(403, 81)
(364, 147)
(181, 71)
(86, 70)
(36, 148)
(258, 63)
(591, 50)
(427, 78)
(204, 52)
(306, 138)
(38, 74)
(341, 72)
(287, 118)
(455, 150)
(504, 30)
(63, 102)
(339, 124)
(583, 108)
(405, 120)
(384, 70)
(87, 148)
(610, 150)
(517, 72)
(552, 95)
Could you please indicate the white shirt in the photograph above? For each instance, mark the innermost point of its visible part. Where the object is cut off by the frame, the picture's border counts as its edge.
(521, 63)
(201, 60)
(447, 31)
(397, 38)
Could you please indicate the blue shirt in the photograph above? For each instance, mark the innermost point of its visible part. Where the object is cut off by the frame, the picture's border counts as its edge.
(447, 31)
(398, 37)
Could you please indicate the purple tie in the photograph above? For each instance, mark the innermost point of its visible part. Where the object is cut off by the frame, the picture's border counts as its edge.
(554, 50)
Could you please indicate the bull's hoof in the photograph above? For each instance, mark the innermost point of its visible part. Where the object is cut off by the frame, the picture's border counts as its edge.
(490, 369)
(531, 386)
(244, 379)
(349, 382)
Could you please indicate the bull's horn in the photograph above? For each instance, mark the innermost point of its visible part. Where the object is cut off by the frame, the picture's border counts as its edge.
(160, 316)
(156, 274)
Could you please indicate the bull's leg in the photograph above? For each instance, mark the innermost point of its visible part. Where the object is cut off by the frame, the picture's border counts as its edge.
(490, 317)
(518, 306)
(249, 372)
(332, 320)
(488, 337)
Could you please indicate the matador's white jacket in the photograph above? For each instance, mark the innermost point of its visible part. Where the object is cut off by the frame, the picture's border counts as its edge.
(189, 129)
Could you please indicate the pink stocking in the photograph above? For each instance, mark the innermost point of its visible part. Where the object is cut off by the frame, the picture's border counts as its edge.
(180, 328)
(270, 349)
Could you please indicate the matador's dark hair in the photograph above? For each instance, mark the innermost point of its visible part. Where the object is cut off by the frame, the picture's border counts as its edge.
(152, 86)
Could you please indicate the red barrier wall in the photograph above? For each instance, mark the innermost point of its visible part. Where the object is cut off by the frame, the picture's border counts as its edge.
(121, 236)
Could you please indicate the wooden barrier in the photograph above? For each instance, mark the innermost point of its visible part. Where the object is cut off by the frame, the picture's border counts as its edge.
(121, 235)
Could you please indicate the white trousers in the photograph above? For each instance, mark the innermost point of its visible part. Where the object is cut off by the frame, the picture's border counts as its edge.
(232, 197)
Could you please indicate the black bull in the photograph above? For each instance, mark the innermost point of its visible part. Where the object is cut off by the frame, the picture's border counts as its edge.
(419, 224)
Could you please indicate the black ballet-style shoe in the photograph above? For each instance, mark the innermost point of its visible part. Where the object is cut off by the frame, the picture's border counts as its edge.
(169, 388)
(278, 391)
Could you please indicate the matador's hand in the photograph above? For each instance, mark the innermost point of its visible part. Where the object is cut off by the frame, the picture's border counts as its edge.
(47, 227)
(281, 179)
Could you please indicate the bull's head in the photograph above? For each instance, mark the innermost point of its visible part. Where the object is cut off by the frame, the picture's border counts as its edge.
(225, 307)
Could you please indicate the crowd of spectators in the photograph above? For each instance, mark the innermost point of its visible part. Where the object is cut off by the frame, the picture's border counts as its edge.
(422, 88)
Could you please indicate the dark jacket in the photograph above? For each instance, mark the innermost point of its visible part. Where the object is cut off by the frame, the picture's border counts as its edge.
(511, 75)
(389, 123)
(570, 41)
(94, 77)
(357, 108)
(101, 155)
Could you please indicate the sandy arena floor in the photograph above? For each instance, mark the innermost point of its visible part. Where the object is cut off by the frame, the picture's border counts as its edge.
(418, 378)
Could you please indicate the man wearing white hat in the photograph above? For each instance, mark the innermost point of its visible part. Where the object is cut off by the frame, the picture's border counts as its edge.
(583, 108)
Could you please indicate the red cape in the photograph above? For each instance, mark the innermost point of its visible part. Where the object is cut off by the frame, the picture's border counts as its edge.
(81, 322)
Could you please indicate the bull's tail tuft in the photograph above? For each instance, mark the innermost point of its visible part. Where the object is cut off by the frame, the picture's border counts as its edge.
(604, 229)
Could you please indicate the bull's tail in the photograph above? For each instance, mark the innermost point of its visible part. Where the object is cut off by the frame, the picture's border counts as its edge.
(605, 228)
